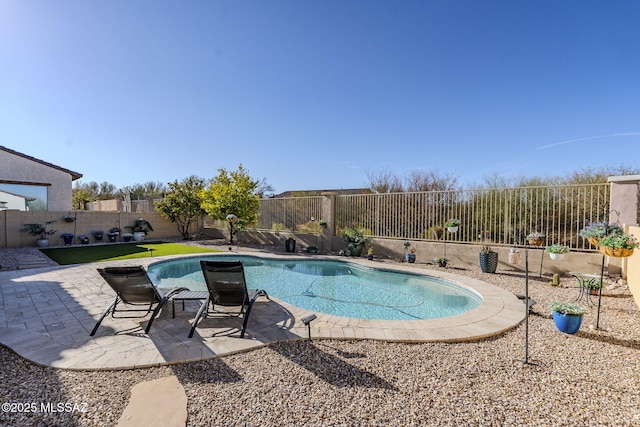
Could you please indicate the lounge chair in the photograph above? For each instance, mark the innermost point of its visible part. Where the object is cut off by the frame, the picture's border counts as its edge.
(228, 288)
(134, 288)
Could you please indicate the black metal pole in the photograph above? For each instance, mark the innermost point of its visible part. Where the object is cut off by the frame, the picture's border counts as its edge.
(541, 259)
(600, 294)
(526, 304)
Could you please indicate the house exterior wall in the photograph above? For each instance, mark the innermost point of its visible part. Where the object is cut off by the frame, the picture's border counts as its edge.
(632, 269)
(15, 169)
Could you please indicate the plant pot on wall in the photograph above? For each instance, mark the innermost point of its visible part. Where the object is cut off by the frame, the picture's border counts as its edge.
(488, 262)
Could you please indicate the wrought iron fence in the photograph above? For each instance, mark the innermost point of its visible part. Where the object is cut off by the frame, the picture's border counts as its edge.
(500, 216)
(503, 216)
(289, 213)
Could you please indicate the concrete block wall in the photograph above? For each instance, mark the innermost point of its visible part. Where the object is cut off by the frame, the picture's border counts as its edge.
(12, 223)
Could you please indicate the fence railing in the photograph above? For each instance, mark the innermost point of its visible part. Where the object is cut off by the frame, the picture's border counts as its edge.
(289, 213)
(498, 215)
(503, 216)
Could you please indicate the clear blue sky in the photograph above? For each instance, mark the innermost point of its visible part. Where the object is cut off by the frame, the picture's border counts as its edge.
(312, 94)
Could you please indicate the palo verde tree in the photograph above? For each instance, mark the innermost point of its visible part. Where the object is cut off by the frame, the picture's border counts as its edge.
(233, 192)
(182, 204)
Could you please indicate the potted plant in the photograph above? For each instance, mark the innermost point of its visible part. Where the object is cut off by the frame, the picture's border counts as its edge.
(84, 239)
(592, 286)
(452, 225)
(488, 259)
(67, 238)
(409, 252)
(411, 256)
(290, 244)
(618, 245)
(370, 253)
(567, 316)
(98, 235)
(557, 251)
(140, 228)
(441, 261)
(355, 240)
(594, 231)
(40, 231)
(535, 238)
(127, 237)
(113, 234)
(69, 218)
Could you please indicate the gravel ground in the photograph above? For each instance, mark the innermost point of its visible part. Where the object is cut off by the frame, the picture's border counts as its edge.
(588, 379)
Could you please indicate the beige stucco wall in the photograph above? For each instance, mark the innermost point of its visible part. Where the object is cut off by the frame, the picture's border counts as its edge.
(15, 168)
(12, 222)
(632, 268)
(624, 199)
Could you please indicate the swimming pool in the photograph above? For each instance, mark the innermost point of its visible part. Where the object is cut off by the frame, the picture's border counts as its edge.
(333, 287)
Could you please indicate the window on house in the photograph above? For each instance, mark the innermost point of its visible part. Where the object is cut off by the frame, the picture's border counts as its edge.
(23, 197)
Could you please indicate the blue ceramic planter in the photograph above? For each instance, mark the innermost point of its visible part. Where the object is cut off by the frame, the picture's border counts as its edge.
(567, 323)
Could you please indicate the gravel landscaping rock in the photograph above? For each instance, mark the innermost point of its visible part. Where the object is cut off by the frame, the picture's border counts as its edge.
(588, 379)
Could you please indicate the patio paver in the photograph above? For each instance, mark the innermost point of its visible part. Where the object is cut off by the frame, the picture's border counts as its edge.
(46, 315)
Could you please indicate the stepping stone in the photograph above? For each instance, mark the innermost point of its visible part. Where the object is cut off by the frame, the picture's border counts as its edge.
(158, 403)
(30, 261)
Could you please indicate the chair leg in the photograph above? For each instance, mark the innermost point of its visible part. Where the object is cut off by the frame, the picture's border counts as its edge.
(105, 314)
(203, 308)
(246, 314)
(155, 313)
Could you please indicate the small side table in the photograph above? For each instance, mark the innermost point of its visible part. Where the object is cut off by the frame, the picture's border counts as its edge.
(187, 295)
(585, 279)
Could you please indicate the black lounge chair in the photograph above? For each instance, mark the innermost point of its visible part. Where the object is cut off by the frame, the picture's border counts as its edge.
(133, 287)
(228, 288)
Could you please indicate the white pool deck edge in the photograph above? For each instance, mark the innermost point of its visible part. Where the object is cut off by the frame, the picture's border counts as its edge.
(47, 314)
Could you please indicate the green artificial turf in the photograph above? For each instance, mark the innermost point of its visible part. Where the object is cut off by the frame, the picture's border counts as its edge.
(99, 253)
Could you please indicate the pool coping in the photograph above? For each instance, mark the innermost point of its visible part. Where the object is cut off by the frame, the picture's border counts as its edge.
(55, 331)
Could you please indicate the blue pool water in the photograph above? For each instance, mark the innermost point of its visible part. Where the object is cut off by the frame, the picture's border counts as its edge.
(333, 287)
